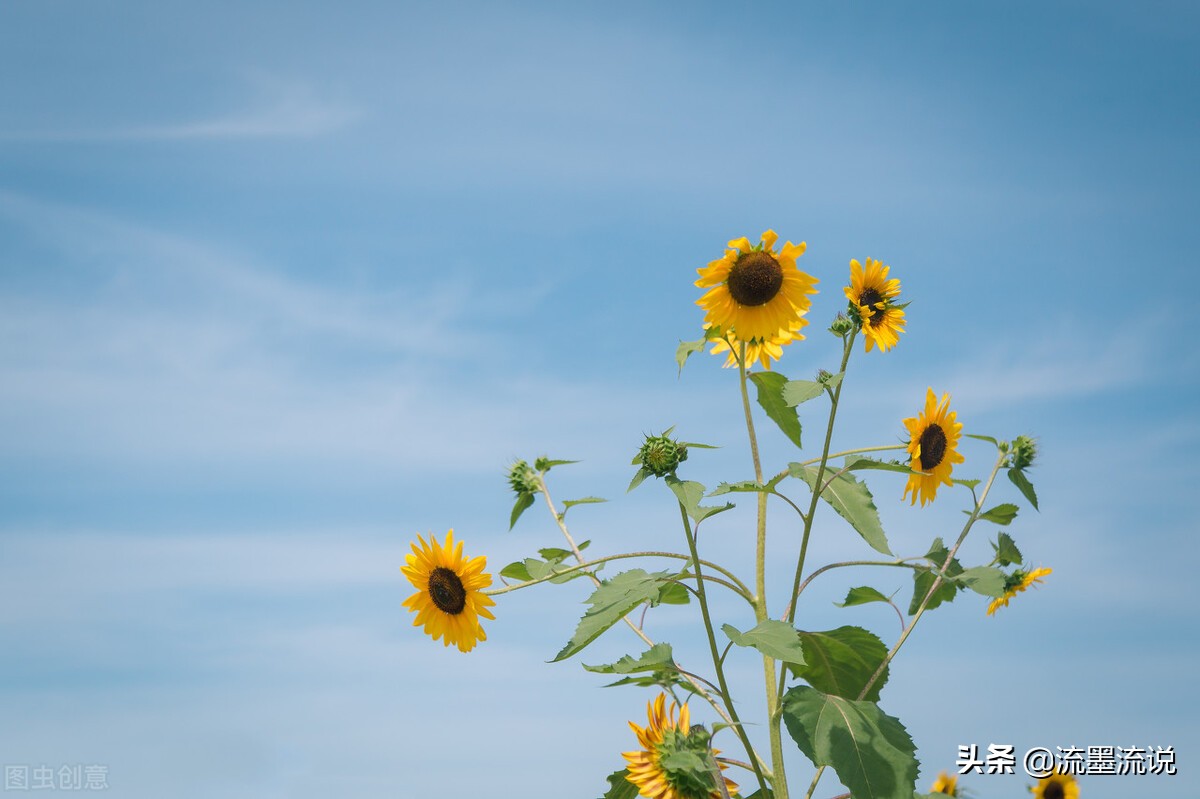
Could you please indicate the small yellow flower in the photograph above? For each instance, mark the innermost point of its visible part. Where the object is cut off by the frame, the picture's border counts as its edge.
(660, 737)
(873, 296)
(945, 784)
(1016, 584)
(1056, 786)
(933, 448)
(449, 598)
(755, 292)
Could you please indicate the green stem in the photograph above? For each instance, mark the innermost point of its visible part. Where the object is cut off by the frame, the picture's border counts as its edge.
(716, 656)
(899, 562)
(741, 590)
(774, 707)
(843, 453)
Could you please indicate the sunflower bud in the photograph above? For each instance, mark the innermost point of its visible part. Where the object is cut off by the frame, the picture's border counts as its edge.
(843, 324)
(660, 455)
(523, 479)
(1024, 451)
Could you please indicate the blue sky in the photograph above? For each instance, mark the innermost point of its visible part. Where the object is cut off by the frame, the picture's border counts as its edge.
(282, 286)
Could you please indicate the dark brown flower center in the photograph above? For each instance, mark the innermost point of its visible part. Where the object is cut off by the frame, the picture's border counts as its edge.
(755, 278)
(933, 447)
(1054, 790)
(873, 300)
(446, 590)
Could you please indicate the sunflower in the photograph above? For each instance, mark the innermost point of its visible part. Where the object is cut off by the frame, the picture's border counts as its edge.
(1057, 785)
(933, 442)
(872, 299)
(1016, 583)
(754, 291)
(449, 598)
(945, 784)
(761, 350)
(665, 736)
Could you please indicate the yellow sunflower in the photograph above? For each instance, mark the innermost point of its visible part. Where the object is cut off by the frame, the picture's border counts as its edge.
(761, 350)
(872, 296)
(1056, 786)
(754, 291)
(449, 598)
(945, 784)
(932, 445)
(1016, 583)
(662, 736)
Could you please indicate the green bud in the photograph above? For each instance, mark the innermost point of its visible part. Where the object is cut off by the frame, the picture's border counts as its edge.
(1024, 451)
(523, 479)
(842, 324)
(661, 455)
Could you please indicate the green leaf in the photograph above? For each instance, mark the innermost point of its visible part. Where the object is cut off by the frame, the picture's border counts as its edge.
(1001, 514)
(544, 464)
(968, 483)
(1007, 553)
(619, 787)
(796, 392)
(641, 475)
(744, 486)
(985, 580)
(570, 503)
(760, 795)
(871, 751)
(861, 596)
(841, 661)
(776, 639)
(672, 594)
(770, 397)
(522, 505)
(851, 500)
(541, 569)
(1022, 482)
(988, 439)
(656, 657)
(554, 554)
(516, 571)
(609, 604)
(859, 462)
(689, 493)
(922, 582)
(686, 349)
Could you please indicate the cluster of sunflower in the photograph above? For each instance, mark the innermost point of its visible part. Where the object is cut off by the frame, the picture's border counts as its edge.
(756, 303)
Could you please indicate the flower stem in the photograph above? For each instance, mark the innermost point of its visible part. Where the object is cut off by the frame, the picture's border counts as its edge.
(716, 655)
(774, 710)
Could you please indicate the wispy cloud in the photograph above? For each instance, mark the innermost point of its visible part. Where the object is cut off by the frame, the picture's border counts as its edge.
(284, 110)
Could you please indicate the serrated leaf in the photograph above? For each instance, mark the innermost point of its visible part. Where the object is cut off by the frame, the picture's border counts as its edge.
(796, 392)
(689, 493)
(686, 349)
(1018, 478)
(871, 751)
(1007, 553)
(522, 504)
(609, 604)
(861, 595)
(852, 501)
(841, 661)
(1001, 514)
(570, 503)
(641, 475)
(922, 582)
(554, 554)
(747, 486)
(775, 639)
(541, 569)
(516, 571)
(770, 397)
(656, 657)
(968, 483)
(985, 580)
(619, 787)
(858, 462)
(672, 594)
